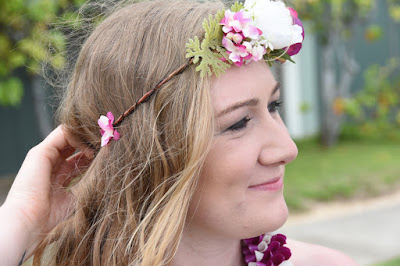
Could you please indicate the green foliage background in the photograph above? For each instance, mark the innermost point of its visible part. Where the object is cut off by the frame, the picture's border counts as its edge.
(375, 109)
(26, 35)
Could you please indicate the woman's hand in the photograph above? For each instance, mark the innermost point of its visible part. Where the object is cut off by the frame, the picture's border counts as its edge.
(39, 199)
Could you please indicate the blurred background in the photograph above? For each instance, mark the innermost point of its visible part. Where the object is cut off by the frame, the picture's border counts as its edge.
(341, 105)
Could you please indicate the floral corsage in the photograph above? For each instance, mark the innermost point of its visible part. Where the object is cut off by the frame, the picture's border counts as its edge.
(266, 250)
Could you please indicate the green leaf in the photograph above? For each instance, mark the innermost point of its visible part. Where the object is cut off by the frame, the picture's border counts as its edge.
(353, 108)
(11, 92)
(4, 69)
(209, 52)
(236, 7)
(5, 44)
(56, 40)
(57, 61)
(33, 49)
(17, 59)
(43, 10)
(277, 54)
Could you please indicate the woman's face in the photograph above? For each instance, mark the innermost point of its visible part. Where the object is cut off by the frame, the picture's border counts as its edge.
(240, 191)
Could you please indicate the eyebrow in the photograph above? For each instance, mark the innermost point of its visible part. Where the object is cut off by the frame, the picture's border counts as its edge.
(276, 88)
(251, 102)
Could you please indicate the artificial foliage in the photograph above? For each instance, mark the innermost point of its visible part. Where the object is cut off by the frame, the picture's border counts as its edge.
(210, 56)
(236, 7)
(277, 54)
(209, 52)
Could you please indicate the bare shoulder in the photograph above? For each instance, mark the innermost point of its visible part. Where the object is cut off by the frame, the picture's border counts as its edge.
(304, 254)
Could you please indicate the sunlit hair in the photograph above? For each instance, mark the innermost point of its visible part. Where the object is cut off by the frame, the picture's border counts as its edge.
(132, 202)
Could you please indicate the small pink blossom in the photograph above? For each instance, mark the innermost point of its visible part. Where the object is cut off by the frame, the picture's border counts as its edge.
(239, 22)
(252, 32)
(239, 29)
(236, 37)
(107, 130)
(237, 53)
(257, 51)
(236, 21)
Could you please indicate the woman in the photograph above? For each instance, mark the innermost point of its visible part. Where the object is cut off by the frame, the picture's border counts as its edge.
(194, 164)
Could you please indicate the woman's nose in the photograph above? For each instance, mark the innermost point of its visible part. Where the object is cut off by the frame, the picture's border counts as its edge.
(277, 145)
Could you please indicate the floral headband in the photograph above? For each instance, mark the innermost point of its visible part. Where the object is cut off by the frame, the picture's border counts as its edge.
(255, 30)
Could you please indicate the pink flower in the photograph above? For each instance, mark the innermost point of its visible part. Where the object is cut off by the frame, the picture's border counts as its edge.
(237, 52)
(239, 22)
(236, 37)
(293, 12)
(257, 51)
(234, 21)
(107, 130)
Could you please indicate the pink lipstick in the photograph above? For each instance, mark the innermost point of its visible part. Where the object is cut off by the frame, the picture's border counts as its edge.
(271, 185)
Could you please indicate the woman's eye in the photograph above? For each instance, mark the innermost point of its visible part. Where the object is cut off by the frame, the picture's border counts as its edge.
(239, 125)
(274, 106)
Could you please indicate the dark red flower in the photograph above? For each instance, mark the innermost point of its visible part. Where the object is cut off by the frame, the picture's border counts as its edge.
(271, 255)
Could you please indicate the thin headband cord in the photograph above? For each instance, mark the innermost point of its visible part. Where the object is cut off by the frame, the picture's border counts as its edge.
(146, 96)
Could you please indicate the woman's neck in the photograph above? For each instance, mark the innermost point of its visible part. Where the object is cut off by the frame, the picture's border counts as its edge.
(200, 248)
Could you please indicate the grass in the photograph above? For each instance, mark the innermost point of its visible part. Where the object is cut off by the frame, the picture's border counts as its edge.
(349, 170)
(392, 262)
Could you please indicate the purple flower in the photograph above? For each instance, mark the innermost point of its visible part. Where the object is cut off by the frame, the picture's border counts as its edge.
(266, 250)
(237, 52)
(295, 48)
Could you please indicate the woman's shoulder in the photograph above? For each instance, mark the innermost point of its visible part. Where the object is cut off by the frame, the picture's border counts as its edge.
(310, 255)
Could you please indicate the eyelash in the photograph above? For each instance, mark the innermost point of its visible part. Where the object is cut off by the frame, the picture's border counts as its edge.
(239, 125)
(272, 108)
(275, 106)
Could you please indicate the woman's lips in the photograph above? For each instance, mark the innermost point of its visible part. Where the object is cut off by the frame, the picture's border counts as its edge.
(271, 185)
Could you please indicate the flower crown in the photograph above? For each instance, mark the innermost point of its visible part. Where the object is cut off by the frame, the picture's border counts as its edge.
(255, 30)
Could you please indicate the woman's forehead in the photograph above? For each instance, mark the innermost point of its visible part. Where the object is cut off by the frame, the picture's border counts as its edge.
(243, 83)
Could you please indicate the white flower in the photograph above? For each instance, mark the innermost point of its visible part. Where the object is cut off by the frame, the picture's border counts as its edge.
(286, 263)
(276, 23)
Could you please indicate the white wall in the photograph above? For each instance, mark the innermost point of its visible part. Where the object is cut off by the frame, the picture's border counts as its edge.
(300, 88)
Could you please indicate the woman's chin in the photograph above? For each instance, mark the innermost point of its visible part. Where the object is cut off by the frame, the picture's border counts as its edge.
(282, 217)
(269, 220)
(278, 219)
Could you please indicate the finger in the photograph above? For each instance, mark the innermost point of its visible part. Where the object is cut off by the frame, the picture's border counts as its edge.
(61, 140)
(58, 139)
(62, 145)
(54, 148)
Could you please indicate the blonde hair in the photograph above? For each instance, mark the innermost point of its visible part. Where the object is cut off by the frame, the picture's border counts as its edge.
(132, 202)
